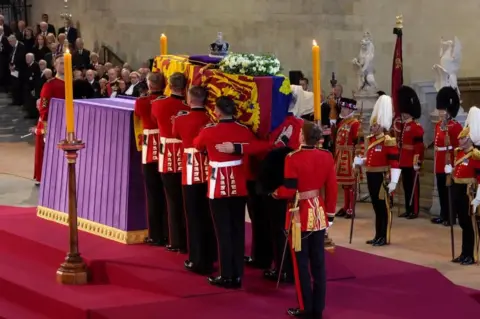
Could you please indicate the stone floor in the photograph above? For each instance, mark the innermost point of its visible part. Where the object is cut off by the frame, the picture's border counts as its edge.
(415, 241)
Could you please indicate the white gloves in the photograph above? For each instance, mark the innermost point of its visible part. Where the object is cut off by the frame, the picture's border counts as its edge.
(358, 161)
(416, 167)
(286, 133)
(394, 177)
(448, 169)
(330, 224)
(476, 201)
(333, 122)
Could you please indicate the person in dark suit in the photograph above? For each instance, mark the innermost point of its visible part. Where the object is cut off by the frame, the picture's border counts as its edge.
(40, 49)
(81, 88)
(20, 32)
(5, 51)
(43, 77)
(50, 27)
(17, 68)
(7, 31)
(70, 32)
(28, 39)
(31, 78)
(81, 57)
(90, 76)
(50, 55)
(133, 89)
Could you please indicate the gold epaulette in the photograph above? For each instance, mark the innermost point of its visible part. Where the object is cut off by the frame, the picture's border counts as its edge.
(390, 141)
(161, 97)
(293, 152)
(370, 136)
(476, 154)
(456, 150)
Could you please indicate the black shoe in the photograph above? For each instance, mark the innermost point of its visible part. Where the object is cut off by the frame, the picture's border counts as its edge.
(190, 266)
(380, 242)
(412, 216)
(224, 282)
(437, 220)
(272, 275)
(446, 223)
(459, 259)
(371, 241)
(172, 249)
(296, 312)
(404, 215)
(467, 261)
(341, 213)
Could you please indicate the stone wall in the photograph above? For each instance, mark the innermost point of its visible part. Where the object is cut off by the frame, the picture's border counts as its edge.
(284, 27)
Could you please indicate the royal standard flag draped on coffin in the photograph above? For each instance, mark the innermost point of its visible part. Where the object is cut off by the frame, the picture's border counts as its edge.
(262, 102)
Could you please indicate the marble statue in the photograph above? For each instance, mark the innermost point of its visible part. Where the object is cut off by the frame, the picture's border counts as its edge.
(450, 59)
(363, 65)
(219, 48)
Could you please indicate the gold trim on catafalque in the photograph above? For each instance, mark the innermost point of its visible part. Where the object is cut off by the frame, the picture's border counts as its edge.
(121, 236)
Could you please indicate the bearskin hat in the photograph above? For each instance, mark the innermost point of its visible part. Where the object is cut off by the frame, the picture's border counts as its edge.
(447, 99)
(408, 102)
(348, 103)
(271, 174)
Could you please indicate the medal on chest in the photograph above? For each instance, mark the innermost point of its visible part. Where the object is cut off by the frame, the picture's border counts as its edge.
(465, 162)
(378, 148)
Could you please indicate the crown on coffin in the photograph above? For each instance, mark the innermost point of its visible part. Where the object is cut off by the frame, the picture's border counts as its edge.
(219, 47)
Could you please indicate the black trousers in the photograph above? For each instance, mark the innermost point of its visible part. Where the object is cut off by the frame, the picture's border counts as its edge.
(156, 204)
(229, 220)
(172, 183)
(202, 246)
(277, 212)
(443, 196)
(408, 179)
(29, 103)
(311, 260)
(383, 216)
(261, 252)
(17, 90)
(463, 208)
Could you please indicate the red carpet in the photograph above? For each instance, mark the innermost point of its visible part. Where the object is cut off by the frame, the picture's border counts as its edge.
(146, 282)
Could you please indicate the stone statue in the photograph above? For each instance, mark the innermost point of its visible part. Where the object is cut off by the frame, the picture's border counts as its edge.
(450, 59)
(363, 65)
(219, 48)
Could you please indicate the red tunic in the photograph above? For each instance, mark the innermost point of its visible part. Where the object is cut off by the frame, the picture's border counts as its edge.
(186, 126)
(297, 125)
(466, 166)
(346, 147)
(143, 109)
(303, 173)
(382, 153)
(164, 110)
(55, 88)
(411, 144)
(226, 174)
(442, 151)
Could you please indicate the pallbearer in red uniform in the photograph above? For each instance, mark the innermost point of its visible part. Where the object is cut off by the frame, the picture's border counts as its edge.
(411, 149)
(446, 140)
(156, 204)
(227, 191)
(54, 88)
(200, 233)
(348, 143)
(466, 177)
(308, 218)
(164, 109)
(382, 158)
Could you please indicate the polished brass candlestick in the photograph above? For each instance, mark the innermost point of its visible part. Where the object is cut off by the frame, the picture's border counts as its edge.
(73, 270)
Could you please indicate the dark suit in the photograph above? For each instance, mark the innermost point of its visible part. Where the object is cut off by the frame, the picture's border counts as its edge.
(38, 86)
(20, 35)
(81, 61)
(5, 51)
(49, 59)
(96, 89)
(7, 31)
(82, 90)
(72, 34)
(17, 59)
(31, 79)
(51, 29)
(40, 53)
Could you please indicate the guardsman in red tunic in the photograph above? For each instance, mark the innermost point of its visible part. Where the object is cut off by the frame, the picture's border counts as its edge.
(156, 204)
(54, 88)
(466, 177)
(446, 140)
(348, 143)
(382, 158)
(310, 215)
(411, 149)
(227, 191)
(164, 109)
(200, 234)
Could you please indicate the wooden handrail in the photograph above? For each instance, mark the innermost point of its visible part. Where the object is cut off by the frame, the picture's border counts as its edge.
(110, 56)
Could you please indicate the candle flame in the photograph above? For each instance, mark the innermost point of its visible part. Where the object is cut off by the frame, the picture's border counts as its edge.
(314, 43)
(67, 51)
(163, 34)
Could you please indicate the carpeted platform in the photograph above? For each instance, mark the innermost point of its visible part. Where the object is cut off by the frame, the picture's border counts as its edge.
(147, 282)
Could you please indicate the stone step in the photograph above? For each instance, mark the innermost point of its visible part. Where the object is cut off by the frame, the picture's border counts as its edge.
(7, 129)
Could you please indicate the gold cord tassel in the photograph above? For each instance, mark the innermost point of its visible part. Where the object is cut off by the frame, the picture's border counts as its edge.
(296, 225)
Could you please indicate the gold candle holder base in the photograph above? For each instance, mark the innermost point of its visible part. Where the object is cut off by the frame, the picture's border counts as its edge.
(73, 271)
